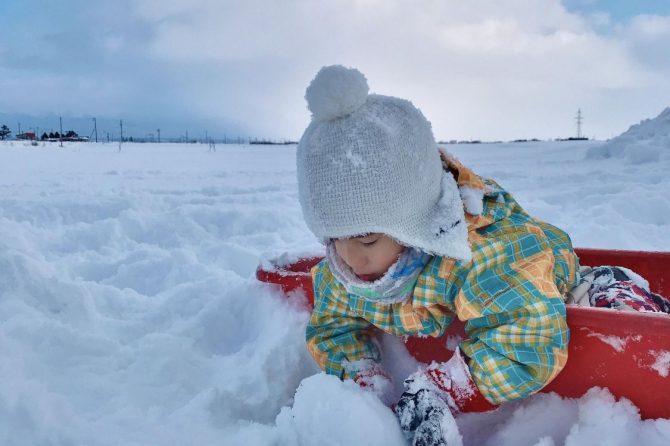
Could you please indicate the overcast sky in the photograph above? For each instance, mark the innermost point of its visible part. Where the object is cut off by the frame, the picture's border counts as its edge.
(478, 69)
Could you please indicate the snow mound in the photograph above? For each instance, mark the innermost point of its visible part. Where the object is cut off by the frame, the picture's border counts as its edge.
(335, 92)
(641, 143)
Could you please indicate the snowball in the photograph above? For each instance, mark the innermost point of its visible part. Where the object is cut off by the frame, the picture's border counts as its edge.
(329, 411)
(335, 92)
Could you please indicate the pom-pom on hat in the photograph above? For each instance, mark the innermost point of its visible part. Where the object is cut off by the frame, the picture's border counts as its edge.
(369, 163)
(336, 92)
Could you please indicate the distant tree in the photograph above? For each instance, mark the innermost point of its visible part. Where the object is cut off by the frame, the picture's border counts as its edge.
(51, 135)
(71, 134)
(44, 136)
(4, 132)
(57, 135)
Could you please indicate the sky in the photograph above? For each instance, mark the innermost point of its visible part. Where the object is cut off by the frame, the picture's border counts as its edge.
(481, 69)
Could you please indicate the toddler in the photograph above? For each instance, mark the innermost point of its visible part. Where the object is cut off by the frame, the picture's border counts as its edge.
(413, 240)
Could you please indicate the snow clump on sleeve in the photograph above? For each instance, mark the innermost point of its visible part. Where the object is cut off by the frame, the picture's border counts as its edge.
(335, 92)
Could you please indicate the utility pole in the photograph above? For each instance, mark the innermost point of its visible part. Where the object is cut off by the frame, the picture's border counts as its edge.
(159, 134)
(186, 136)
(60, 120)
(95, 129)
(579, 123)
(121, 140)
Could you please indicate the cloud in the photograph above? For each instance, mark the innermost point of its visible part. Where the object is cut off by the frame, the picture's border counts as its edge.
(648, 37)
(477, 69)
(481, 69)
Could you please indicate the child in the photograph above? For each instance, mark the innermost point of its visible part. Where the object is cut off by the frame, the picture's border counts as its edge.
(413, 240)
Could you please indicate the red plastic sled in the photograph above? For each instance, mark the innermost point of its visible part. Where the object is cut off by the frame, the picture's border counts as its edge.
(627, 352)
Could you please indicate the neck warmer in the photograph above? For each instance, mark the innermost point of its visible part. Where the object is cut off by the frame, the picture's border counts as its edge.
(396, 285)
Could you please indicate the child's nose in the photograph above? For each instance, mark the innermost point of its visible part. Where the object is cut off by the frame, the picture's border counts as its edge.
(355, 259)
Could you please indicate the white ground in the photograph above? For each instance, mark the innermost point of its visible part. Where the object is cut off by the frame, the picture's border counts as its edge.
(130, 315)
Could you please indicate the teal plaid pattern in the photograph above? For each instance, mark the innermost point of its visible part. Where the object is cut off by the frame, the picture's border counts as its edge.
(511, 296)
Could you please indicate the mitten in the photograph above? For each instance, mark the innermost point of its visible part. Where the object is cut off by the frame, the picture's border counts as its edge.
(373, 378)
(425, 408)
(426, 420)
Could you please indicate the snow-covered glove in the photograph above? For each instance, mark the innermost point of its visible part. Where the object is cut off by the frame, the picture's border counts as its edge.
(373, 378)
(426, 420)
(430, 397)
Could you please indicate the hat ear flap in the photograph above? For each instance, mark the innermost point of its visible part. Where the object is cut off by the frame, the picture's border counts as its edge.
(448, 224)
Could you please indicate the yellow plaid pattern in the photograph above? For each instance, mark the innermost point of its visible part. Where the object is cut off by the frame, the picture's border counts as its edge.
(510, 295)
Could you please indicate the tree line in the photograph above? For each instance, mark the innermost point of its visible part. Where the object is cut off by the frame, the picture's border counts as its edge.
(71, 134)
(51, 135)
(4, 132)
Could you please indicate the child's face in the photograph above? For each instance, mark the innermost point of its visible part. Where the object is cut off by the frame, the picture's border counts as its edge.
(370, 256)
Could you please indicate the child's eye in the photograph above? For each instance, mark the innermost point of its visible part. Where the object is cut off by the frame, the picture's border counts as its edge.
(370, 243)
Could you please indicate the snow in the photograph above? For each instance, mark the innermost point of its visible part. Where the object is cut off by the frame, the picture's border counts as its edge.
(355, 159)
(277, 260)
(636, 278)
(662, 363)
(472, 200)
(130, 313)
(453, 341)
(616, 342)
(642, 143)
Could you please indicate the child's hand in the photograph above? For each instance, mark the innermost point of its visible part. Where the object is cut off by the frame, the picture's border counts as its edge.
(431, 396)
(450, 380)
(426, 420)
(375, 380)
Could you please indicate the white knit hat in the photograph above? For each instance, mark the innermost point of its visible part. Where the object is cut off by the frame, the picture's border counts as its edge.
(369, 163)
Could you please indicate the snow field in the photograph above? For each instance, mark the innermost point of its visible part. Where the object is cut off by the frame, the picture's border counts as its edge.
(130, 313)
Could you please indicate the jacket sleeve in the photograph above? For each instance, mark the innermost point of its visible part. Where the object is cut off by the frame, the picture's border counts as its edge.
(518, 334)
(340, 343)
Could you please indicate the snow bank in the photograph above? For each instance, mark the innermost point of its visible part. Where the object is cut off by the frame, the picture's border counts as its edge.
(130, 313)
(642, 143)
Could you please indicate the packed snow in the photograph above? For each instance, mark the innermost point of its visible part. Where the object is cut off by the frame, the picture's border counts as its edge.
(130, 313)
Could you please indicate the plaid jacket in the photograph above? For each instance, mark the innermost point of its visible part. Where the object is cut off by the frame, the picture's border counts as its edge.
(511, 295)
